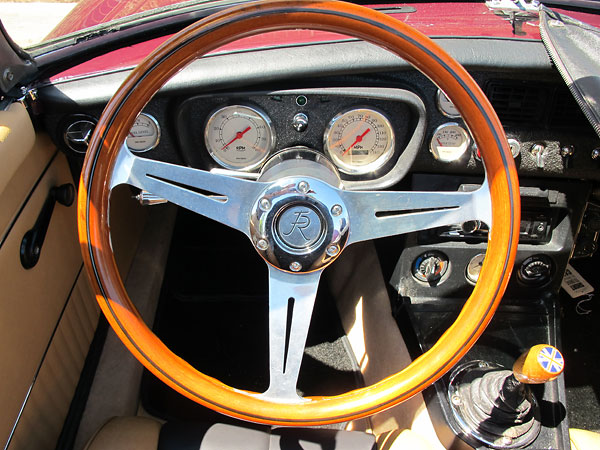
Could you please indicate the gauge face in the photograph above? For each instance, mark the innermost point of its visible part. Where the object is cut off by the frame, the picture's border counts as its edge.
(449, 142)
(445, 106)
(359, 141)
(144, 134)
(239, 137)
(474, 268)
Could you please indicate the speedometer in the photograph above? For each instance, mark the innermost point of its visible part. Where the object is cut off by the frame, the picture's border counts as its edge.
(239, 137)
(359, 140)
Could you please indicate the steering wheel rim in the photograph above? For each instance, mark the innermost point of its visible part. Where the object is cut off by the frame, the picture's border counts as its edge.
(102, 162)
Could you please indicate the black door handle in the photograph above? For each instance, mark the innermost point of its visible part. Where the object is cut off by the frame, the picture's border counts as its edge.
(31, 245)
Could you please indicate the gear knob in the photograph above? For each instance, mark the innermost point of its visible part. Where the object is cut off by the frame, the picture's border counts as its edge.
(539, 364)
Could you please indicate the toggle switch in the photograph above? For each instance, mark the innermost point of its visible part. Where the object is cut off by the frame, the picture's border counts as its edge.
(539, 151)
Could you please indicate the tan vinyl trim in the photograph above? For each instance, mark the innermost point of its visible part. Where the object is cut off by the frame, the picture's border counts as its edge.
(32, 300)
(16, 140)
(24, 158)
(43, 414)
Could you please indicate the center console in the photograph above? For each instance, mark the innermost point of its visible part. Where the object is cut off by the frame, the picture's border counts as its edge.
(438, 268)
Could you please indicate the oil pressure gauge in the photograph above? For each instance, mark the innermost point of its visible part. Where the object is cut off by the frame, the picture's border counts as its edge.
(449, 142)
(144, 134)
(359, 141)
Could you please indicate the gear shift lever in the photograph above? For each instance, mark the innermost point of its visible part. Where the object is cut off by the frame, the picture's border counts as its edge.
(496, 406)
(539, 364)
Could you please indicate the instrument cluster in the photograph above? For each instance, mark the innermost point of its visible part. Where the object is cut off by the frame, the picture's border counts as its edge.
(358, 140)
(371, 135)
(366, 135)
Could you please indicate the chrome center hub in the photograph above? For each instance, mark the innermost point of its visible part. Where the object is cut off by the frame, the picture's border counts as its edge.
(299, 226)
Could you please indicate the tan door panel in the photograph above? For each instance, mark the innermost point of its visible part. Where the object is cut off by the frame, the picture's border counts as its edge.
(42, 418)
(23, 157)
(16, 139)
(31, 301)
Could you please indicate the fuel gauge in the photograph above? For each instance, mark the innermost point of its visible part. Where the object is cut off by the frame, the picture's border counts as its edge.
(449, 142)
(144, 134)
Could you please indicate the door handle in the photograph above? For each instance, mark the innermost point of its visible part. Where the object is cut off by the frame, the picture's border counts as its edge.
(31, 245)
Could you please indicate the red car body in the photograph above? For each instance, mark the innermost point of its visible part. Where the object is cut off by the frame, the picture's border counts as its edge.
(452, 19)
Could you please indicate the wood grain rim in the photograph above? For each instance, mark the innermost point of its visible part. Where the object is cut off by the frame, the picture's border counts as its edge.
(247, 20)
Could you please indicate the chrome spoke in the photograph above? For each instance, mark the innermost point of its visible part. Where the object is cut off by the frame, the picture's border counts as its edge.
(379, 214)
(219, 197)
(291, 301)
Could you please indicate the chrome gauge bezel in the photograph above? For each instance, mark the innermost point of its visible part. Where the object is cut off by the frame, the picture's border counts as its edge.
(465, 146)
(377, 164)
(439, 101)
(268, 123)
(156, 139)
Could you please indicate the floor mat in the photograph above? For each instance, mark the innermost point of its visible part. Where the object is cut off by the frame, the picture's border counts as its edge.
(213, 313)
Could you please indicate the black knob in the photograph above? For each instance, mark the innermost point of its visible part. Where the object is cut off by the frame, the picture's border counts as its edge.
(65, 194)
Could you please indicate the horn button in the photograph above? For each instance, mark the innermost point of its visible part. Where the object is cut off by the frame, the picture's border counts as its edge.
(299, 224)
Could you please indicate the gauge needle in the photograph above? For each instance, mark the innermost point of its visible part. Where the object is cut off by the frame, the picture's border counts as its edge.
(363, 120)
(238, 135)
(358, 139)
(440, 142)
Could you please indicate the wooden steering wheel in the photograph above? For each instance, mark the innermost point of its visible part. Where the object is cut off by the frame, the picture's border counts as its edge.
(257, 207)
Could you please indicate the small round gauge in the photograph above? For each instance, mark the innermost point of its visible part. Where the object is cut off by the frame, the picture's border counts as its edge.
(144, 134)
(430, 267)
(359, 140)
(239, 137)
(449, 142)
(474, 267)
(445, 106)
(536, 270)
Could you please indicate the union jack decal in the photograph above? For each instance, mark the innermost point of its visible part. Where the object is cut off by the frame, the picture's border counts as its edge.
(551, 360)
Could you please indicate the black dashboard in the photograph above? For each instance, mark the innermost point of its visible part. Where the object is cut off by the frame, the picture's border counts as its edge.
(251, 105)
(549, 134)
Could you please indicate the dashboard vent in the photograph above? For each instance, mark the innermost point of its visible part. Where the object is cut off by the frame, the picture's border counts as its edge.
(77, 131)
(516, 102)
(534, 104)
(565, 112)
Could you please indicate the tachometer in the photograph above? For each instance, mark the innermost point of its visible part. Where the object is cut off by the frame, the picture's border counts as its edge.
(144, 134)
(359, 140)
(239, 137)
